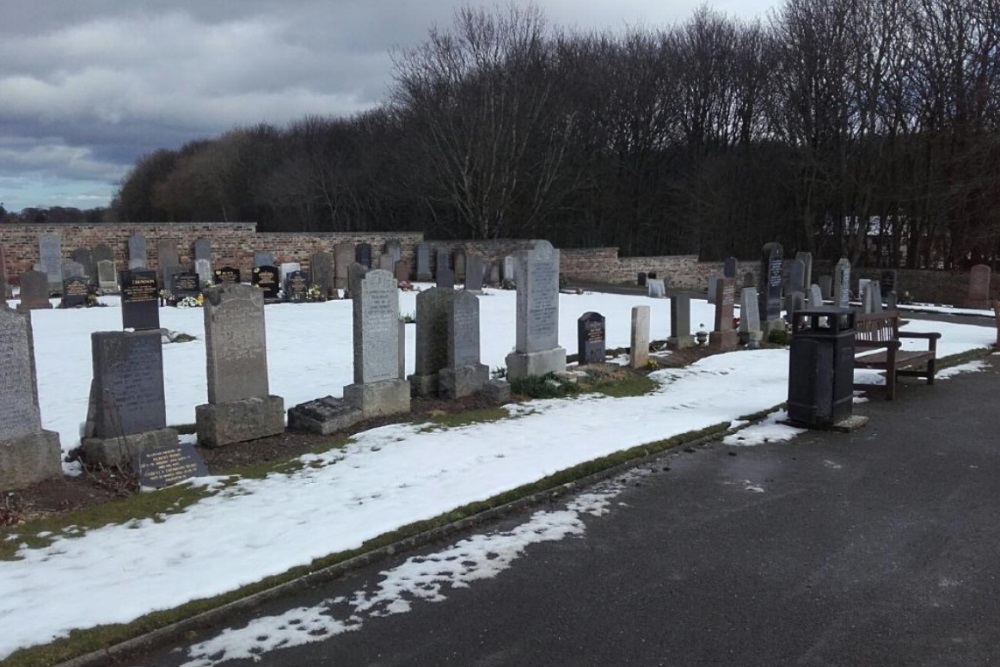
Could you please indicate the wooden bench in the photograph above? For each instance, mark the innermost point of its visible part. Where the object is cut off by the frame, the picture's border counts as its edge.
(877, 346)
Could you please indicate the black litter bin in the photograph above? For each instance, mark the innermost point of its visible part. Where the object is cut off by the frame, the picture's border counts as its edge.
(821, 366)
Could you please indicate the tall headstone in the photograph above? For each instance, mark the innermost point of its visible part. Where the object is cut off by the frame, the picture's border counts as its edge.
(979, 287)
(401, 271)
(769, 292)
(321, 270)
(474, 273)
(85, 258)
(445, 276)
(807, 268)
(537, 351)
(167, 259)
(386, 262)
(431, 352)
(127, 398)
(263, 258)
(680, 322)
(891, 301)
(750, 312)
(729, 267)
(713, 286)
(423, 253)
(464, 375)
(377, 388)
(267, 279)
(107, 277)
(591, 339)
(103, 252)
(355, 274)
(343, 257)
(797, 276)
(203, 250)
(394, 249)
(137, 251)
(509, 269)
(363, 254)
(493, 278)
(140, 300)
(240, 406)
(862, 290)
(826, 287)
(724, 336)
(876, 296)
(34, 291)
(794, 302)
(50, 254)
(28, 453)
(458, 263)
(203, 268)
(638, 351)
(842, 283)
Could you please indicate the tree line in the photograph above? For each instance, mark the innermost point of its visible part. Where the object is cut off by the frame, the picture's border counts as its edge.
(858, 128)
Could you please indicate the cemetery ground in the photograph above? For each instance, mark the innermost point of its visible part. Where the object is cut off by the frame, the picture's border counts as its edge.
(387, 481)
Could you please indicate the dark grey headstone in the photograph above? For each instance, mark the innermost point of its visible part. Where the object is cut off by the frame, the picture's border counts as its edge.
(321, 272)
(458, 263)
(463, 330)
(34, 291)
(376, 329)
(889, 279)
(103, 252)
(441, 260)
(19, 414)
(85, 258)
(641, 278)
(474, 273)
(363, 254)
(50, 254)
(184, 284)
(343, 256)
(163, 467)
(235, 343)
(73, 269)
(355, 274)
(445, 278)
(140, 300)
(815, 297)
(423, 262)
(128, 383)
(74, 292)
(749, 280)
(266, 278)
(771, 273)
(729, 267)
(796, 276)
(296, 286)
(494, 273)
(166, 257)
(203, 250)
(431, 352)
(590, 339)
(680, 316)
(713, 285)
(842, 283)
(537, 323)
(263, 258)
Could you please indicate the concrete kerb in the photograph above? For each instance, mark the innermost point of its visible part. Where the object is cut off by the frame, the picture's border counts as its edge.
(166, 634)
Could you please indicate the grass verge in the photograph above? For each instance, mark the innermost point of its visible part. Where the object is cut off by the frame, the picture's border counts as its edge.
(443, 421)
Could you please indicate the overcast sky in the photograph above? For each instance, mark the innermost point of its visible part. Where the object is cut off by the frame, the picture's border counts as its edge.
(87, 86)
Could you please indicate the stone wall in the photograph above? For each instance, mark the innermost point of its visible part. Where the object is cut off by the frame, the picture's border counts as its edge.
(604, 265)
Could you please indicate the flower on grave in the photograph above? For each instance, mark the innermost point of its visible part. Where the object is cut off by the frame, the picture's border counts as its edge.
(315, 293)
(405, 285)
(190, 302)
(201, 299)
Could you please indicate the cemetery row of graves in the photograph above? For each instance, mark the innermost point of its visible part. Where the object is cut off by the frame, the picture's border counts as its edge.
(126, 420)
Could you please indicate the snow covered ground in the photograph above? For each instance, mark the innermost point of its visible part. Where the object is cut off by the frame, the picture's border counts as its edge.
(386, 478)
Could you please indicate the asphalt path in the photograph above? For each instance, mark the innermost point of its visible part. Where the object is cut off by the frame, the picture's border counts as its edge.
(877, 547)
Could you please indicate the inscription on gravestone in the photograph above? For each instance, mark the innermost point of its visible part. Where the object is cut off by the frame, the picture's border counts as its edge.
(266, 278)
(297, 286)
(184, 284)
(128, 383)
(590, 339)
(463, 330)
(227, 275)
(75, 292)
(538, 299)
(140, 300)
(163, 467)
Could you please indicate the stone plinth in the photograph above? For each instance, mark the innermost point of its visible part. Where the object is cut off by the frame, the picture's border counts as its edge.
(521, 364)
(238, 421)
(28, 459)
(459, 381)
(324, 416)
(374, 399)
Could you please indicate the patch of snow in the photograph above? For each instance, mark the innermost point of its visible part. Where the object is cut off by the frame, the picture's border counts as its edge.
(768, 430)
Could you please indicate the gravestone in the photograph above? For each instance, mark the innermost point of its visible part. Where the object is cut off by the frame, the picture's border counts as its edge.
(750, 313)
(28, 453)
(288, 267)
(107, 277)
(85, 258)
(842, 283)
(137, 251)
(431, 352)
(638, 351)
(891, 301)
(509, 269)
(641, 278)
(127, 413)
(140, 300)
(797, 276)
(464, 375)
(590, 339)
(159, 468)
(536, 350)
(441, 259)
(729, 267)
(862, 287)
(73, 269)
(769, 289)
(724, 336)
(204, 270)
(826, 287)
(656, 288)
(713, 286)
(34, 291)
(74, 292)
(103, 252)
(794, 302)
(458, 264)
(651, 275)
(867, 292)
(296, 287)
(401, 271)
(50, 258)
(979, 287)
(386, 262)
(494, 273)
(263, 258)
(166, 257)
(750, 280)
(680, 322)
(184, 284)
(203, 250)
(474, 273)
(227, 275)
(343, 257)
(394, 249)
(240, 406)
(321, 271)
(807, 268)
(424, 262)
(876, 290)
(363, 254)
(355, 274)
(445, 276)
(266, 278)
(377, 388)
(815, 297)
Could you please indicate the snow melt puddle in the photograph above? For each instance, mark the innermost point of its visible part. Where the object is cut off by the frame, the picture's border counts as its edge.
(419, 578)
(768, 430)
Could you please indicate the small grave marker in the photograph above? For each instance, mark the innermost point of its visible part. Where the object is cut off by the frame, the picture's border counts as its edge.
(590, 339)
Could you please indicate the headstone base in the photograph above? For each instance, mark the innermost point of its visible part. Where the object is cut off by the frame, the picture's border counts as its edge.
(680, 342)
(375, 399)
(323, 416)
(108, 288)
(525, 364)
(772, 325)
(423, 385)
(22, 308)
(497, 391)
(28, 459)
(124, 450)
(239, 421)
(462, 381)
(723, 340)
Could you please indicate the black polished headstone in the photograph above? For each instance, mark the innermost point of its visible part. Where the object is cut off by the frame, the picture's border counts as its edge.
(162, 467)
(266, 278)
(140, 300)
(590, 339)
(771, 275)
(75, 292)
(185, 284)
(729, 268)
(641, 279)
(226, 275)
(296, 286)
(363, 254)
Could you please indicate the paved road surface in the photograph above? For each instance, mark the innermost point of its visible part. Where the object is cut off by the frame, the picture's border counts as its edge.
(878, 547)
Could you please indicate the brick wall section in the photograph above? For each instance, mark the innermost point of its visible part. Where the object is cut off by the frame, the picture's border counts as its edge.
(604, 265)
